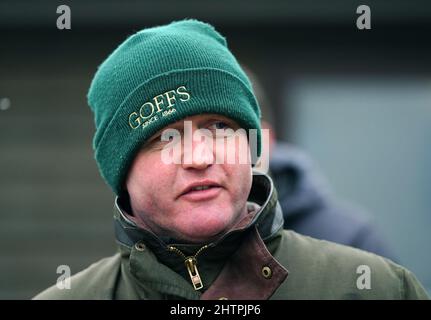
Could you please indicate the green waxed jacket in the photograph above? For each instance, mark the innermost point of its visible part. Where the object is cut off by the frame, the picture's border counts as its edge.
(257, 259)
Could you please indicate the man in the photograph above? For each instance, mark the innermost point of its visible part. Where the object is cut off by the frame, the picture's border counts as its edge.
(193, 222)
(309, 206)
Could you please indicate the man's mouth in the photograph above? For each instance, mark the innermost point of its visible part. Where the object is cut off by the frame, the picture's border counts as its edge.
(200, 191)
(199, 188)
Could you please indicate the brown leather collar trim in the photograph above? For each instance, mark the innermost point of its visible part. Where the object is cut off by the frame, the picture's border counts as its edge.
(243, 276)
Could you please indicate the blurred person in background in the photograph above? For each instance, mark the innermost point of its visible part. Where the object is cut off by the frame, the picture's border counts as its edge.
(309, 205)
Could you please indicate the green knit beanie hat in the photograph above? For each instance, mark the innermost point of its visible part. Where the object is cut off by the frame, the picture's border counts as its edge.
(158, 76)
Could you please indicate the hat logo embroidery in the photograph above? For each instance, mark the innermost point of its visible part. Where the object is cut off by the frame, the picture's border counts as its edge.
(161, 105)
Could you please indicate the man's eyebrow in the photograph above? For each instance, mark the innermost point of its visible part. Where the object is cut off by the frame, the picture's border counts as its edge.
(177, 126)
(160, 132)
(154, 137)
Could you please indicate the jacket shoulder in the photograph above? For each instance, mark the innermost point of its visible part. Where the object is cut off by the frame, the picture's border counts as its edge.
(95, 282)
(320, 269)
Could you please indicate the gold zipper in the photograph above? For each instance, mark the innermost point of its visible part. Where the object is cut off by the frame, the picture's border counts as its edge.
(191, 265)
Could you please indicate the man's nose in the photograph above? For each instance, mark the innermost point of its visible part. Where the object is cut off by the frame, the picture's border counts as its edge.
(198, 154)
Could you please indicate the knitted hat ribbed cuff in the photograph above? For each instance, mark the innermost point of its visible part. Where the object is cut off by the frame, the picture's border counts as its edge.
(210, 91)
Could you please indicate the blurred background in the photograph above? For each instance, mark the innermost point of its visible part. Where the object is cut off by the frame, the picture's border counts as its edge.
(358, 101)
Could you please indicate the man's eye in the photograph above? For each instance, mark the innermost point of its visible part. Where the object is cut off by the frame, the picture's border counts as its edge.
(170, 135)
(219, 125)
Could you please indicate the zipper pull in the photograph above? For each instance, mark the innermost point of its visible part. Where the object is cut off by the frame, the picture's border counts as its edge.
(191, 264)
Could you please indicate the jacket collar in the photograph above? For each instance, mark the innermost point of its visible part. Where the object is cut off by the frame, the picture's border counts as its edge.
(215, 263)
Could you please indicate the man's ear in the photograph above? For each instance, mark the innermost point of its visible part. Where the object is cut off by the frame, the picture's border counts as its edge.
(261, 164)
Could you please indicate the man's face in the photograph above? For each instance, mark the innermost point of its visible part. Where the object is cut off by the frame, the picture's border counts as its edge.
(167, 196)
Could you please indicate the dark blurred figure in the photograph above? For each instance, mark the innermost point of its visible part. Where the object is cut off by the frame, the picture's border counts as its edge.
(309, 206)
